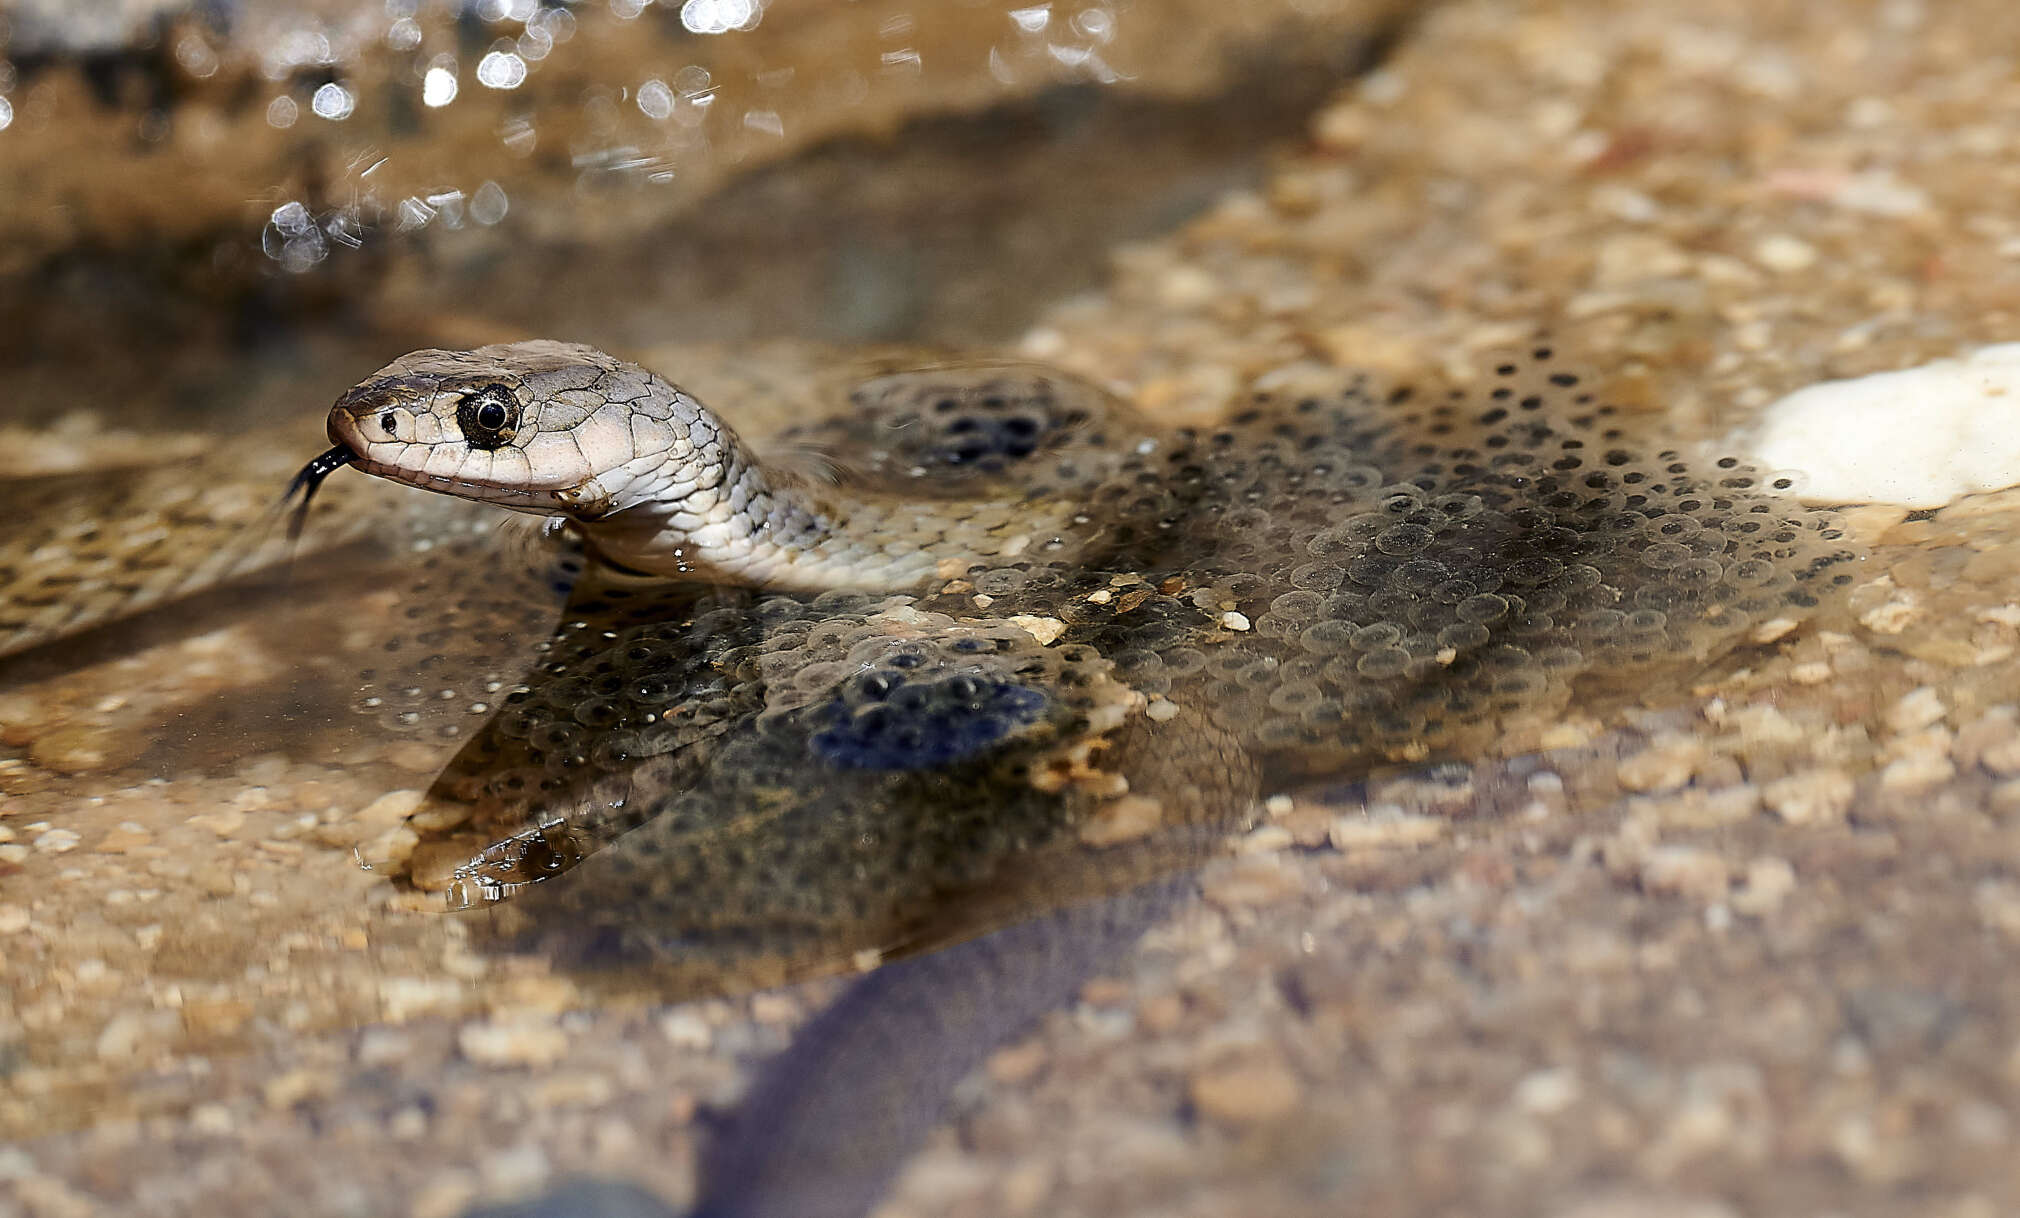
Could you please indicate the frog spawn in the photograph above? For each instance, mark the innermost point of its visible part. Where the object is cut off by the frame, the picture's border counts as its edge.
(644, 703)
(957, 428)
(1325, 583)
(1411, 577)
(773, 821)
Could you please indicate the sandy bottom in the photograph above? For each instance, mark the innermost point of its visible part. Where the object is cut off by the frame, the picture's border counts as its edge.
(1743, 951)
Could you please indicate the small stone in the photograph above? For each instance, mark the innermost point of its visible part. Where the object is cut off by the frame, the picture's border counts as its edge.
(516, 1039)
(1998, 904)
(940, 1180)
(1914, 774)
(1644, 1205)
(46, 1196)
(445, 1196)
(415, 756)
(1773, 629)
(1270, 839)
(1110, 992)
(124, 839)
(1570, 734)
(1784, 254)
(214, 1120)
(224, 822)
(573, 1090)
(1122, 820)
(1993, 729)
(1699, 808)
(1811, 797)
(1394, 829)
(1026, 1186)
(1250, 881)
(57, 841)
(1234, 621)
(1253, 1089)
(1768, 883)
(1916, 710)
(1666, 765)
(1544, 1092)
(686, 1029)
(1186, 286)
(2003, 758)
(516, 1171)
(1767, 725)
(1017, 1064)
(1161, 1014)
(1344, 127)
(431, 866)
(1893, 615)
(402, 998)
(407, 1124)
(292, 1088)
(390, 809)
(1044, 629)
(776, 1010)
(1628, 259)
(1689, 871)
(384, 1047)
(1374, 347)
(121, 1037)
(218, 1018)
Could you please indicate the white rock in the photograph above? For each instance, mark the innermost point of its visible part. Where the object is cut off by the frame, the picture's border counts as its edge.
(1920, 437)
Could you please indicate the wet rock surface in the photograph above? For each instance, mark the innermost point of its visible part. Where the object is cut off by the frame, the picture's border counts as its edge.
(1741, 951)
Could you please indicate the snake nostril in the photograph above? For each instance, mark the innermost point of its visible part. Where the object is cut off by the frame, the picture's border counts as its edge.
(386, 422)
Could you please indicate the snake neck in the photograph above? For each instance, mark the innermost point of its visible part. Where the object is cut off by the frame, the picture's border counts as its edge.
(746, 523)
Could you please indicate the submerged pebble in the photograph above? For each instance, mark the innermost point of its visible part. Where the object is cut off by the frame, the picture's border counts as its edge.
(1920, 437)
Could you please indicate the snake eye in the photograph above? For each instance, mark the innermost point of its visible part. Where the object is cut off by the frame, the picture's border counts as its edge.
(488, 416)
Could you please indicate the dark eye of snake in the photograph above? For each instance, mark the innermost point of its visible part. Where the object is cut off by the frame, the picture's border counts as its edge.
(488, 416)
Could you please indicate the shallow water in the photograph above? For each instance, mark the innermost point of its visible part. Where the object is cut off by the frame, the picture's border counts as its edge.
(212, 931)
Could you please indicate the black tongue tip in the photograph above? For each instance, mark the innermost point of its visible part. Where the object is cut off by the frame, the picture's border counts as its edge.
(308, 481)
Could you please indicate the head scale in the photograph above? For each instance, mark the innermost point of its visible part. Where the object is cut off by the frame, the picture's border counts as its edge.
(546, 427)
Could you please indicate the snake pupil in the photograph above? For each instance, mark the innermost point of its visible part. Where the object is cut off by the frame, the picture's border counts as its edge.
(489, 417)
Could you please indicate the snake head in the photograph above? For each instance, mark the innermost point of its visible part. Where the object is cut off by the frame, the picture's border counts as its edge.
(543, 427)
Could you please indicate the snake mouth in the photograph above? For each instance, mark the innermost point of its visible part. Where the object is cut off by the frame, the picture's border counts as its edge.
(572, 499)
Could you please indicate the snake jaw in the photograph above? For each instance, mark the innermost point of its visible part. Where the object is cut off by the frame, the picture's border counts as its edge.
(586, 502)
